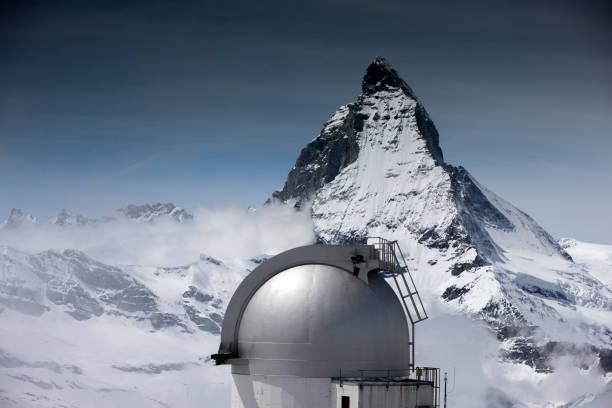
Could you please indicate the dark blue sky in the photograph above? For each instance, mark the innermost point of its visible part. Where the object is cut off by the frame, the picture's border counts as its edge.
(103, 104)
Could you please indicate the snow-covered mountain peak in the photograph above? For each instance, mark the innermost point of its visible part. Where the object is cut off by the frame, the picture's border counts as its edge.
(386, 126)
(17, 218)
(380, 75)
(64, 218)
(151, 212)
(377, 169)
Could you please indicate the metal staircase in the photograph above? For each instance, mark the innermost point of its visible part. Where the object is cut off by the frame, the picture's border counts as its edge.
(393, 264)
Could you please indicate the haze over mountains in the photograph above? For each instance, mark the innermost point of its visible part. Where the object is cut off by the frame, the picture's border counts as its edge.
(139, 213)
(376, 169)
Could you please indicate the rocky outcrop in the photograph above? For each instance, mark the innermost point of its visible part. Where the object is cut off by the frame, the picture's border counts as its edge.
(151, 212)
(323, 158)
(17, 218)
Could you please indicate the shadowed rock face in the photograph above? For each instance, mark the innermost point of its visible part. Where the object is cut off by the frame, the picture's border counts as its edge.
(380, 76)
(323, 158)
(476, 212)
(204, 323)
(71, 279)
(85, 288)
(70, 293)
(80, 275)
(429, 132)
(605, 360)
(203, 309)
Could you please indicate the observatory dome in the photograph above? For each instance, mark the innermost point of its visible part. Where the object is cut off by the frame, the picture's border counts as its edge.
(317, 320)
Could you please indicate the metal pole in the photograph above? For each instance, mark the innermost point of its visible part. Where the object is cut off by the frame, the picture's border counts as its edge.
(445, 379)
(413, 346)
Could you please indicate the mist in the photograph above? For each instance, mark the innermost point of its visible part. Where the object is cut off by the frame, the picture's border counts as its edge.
(225, 233)
(464, 348)
(477, 377)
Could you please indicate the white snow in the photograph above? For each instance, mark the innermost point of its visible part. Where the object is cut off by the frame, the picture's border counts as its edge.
(596, 258)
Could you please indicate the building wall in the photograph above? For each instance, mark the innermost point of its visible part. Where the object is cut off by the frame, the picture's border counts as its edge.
(255, 391)
(347, 389)
(379, 396)
(259, 391)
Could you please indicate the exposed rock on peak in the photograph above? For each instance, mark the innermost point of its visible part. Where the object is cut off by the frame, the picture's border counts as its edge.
(151, 212)
(323, 158)
(387, 101)
(17, 218)
(64, 218)
(381, 76)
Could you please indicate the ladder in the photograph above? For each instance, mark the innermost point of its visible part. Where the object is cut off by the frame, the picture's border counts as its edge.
(393, 264)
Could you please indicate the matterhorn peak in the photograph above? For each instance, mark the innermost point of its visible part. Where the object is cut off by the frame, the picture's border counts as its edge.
(381, 76)
(386, 118)
(376, 169)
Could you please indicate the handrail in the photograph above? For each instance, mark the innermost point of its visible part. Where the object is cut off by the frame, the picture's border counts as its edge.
(390, 262)
(420, 374)
(386, 252)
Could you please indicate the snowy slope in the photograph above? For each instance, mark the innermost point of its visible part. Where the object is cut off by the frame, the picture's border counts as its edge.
(76, 332)
(377, 169)
(131, 316)
(596, 258)
(56, 361)
(188, 297)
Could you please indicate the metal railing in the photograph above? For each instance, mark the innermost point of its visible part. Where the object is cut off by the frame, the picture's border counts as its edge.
(393, 264)
(416, 375)
(387, 252)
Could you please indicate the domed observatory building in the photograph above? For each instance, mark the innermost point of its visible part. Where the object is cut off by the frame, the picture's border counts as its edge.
(319, 326)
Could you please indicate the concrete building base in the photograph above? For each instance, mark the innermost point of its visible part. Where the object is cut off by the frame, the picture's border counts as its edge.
(259, 391)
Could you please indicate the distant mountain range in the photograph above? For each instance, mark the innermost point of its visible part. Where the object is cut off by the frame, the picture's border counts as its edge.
(84, 288)
(139, 213)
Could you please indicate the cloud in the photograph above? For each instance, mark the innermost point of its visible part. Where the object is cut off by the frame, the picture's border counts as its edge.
(477, 377)
(226, 233)
(463, 347)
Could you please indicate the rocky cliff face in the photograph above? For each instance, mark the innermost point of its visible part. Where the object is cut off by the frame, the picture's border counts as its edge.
(377, 169)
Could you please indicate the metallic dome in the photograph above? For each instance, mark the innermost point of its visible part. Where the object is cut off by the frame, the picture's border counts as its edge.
(315, 319)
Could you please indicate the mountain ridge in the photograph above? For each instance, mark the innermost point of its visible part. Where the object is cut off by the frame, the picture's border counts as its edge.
(377, 169)
(147, 213)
